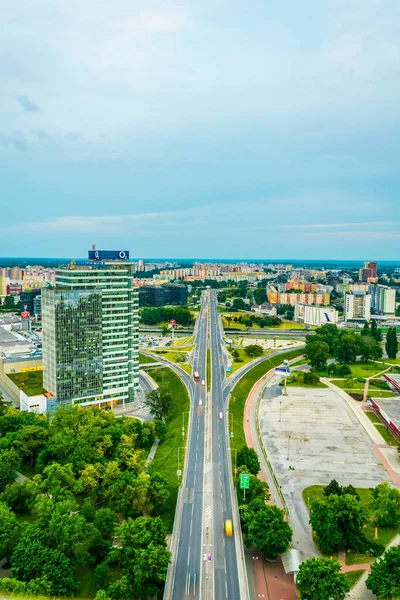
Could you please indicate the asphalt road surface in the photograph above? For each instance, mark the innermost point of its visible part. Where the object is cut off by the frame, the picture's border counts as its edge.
(187, 572)
(226, 581)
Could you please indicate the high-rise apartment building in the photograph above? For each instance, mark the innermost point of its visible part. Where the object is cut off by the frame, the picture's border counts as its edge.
(383, 299)
(357, 306)
(368, 272)
(90, 332)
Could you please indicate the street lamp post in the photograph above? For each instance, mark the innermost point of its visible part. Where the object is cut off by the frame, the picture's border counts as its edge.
(231, 419)
(178, 472)
(280, 411)
(234, 450)
(288, 448)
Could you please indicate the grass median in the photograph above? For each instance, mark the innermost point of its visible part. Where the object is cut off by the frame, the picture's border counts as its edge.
(242, 390)
(144, 359)
(165, 461)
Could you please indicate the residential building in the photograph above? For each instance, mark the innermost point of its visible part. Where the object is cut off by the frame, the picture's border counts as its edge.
(368, 273)
(357, 306)
(90, 332)
(383, 299)
(37, 307)
(315, 315)
(293, 298)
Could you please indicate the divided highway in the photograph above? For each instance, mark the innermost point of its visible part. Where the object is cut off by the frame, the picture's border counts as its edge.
(186, 567)
(204, 563)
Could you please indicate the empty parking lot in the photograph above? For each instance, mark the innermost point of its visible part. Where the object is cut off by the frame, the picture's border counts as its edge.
(312, 436)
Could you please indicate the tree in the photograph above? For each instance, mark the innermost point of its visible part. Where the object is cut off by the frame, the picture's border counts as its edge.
(30, 440)
(248, 457)
(33, 559)
(375, 332)
(386, 505)
(4, 405)
(332, 488)
(267, 529)
(238, 304)
(317, 352)
(392, 344)
(369, 348)
(10, 463)
(9, 531)
(18, 496)
(159, 492)
(366, 330)
(384, 579)
(59, 481)
(164, 330)
(143, 555)
(254, 350)
(160, 402)
(321, 579)
(346, 347)
(338, 523)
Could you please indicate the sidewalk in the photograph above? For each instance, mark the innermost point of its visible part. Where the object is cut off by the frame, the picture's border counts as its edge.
(270, 580)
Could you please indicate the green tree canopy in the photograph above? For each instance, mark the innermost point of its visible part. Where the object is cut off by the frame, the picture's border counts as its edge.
(248, 457)
(267, 529)
(386, 505)
(384, 579)
(321, 579)
(316, 352)
(160, 402)
(10, 530)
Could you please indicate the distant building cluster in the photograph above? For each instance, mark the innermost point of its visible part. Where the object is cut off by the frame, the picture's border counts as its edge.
(217, 272)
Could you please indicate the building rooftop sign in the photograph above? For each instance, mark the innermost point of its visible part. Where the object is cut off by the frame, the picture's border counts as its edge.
(116, 255)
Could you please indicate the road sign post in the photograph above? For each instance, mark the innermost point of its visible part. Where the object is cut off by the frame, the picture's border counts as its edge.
(244, 483)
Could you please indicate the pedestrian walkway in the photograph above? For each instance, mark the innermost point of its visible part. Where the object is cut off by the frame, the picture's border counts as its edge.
(366, 386)
(152, 452)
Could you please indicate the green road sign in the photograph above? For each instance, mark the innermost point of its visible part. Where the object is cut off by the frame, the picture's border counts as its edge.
(245, 482)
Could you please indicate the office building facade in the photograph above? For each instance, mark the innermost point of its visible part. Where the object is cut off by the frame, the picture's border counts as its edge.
(90, 335)
(357, 306)
(160, 295)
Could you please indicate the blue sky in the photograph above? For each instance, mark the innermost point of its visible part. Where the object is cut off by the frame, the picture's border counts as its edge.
(217, 128)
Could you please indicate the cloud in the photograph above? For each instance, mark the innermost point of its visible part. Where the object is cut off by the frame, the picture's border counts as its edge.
(74, 136)
(42, 135)
(97, 224)
(332, 225)
(376, 235)
(164, 20)
(16, 140)
(27, 105)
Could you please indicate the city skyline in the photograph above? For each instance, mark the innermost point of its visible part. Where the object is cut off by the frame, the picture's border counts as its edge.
(178, 128)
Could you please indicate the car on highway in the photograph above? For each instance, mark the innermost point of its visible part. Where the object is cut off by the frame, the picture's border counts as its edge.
(228, 528)
(202, 382)
(220, 415)
(142, 405)
(200, 402)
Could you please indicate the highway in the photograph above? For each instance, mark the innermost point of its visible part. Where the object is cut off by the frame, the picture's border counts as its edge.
(226, 580)
(187, 564)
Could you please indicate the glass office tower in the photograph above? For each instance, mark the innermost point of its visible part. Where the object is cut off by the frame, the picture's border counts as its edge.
(90, 334)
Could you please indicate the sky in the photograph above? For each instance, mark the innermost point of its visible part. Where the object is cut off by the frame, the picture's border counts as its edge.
(220, 128)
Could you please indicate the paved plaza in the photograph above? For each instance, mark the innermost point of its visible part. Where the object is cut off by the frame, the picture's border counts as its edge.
(312, 436)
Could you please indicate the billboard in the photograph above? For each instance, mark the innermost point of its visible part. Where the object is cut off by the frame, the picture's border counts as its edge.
(116, 255)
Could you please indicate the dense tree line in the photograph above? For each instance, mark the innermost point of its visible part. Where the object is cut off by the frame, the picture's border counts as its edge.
(250, 320)
(263, 525)
(392, 345)
(154, 316)
(91, 502)
(343, 345)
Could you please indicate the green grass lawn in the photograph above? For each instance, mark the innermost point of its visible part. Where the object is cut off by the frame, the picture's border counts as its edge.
(166, 458)
(296, 380)
(31, 382)
(244, 358)
(173, 357)
(208, 369)
(242, 389)
(143, 359)
(353, 577)
(373, 417)
(385, 534)
(381, 427)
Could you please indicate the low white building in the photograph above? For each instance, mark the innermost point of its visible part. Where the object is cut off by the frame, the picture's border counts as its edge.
(315, 315)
